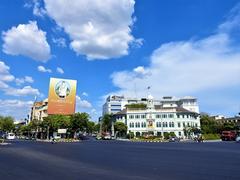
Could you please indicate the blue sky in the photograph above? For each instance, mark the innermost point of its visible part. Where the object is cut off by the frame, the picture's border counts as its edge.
(178, 47)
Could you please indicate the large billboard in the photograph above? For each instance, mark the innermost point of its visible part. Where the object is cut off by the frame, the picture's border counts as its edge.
(62, 96)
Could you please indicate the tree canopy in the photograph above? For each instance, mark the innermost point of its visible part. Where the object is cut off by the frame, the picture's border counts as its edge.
(6, 124)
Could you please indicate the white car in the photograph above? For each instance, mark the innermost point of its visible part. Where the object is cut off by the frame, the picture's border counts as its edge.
(238, 139)
(10, 136)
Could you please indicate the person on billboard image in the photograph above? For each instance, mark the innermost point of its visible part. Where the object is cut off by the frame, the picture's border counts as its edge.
(62, 89)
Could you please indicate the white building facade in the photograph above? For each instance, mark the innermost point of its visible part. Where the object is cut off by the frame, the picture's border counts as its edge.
(115, 104)
(159, 119)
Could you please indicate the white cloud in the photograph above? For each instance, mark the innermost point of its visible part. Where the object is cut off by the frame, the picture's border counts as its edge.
(36, 5)
(60, 70)
(27, 90)
(186, 67)
(4, 73)
(37, 9)
(85, 94)
(26, 79)
(43, 69)
(14, 107)
(3, 85)
(27, 40)
(6, 77)
(96, 29)
(61, 42)
(232, 21)
(82, 104)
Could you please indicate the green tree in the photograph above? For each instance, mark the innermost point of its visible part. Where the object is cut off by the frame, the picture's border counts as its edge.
(121, 128)
(90, 126)
(209, 125)
(107, 122)
(228, 126)
(6, 124)
(52, 123)
(79, 122)
(25, 130)
(96, 127)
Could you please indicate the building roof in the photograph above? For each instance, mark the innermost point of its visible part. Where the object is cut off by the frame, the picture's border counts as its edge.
(37, 104)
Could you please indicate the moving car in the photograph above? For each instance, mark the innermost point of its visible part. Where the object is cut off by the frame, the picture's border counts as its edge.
(174, 139)
(238, 139)
(228, 135)
(10, 136)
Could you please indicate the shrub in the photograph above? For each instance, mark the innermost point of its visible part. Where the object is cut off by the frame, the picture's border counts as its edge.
(211, 136)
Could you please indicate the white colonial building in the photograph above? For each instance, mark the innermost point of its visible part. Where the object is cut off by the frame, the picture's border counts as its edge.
(172, 115)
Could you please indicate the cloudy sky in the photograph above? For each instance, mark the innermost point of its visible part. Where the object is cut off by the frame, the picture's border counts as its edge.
(177, 47)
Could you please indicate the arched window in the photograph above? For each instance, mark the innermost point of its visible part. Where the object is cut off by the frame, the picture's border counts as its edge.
(132, 125)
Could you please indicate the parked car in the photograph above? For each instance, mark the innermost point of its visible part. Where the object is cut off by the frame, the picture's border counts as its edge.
(10, 136)
(107, 137)
(228, 135)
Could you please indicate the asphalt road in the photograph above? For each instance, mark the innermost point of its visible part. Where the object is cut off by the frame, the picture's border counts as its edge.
(103, 160)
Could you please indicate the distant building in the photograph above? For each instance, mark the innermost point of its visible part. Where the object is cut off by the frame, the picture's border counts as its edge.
(39, 110)
(235, 120)
(167, 115)
(218, 117)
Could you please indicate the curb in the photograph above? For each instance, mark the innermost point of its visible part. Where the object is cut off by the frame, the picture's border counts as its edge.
(4, 144)
(149, 141)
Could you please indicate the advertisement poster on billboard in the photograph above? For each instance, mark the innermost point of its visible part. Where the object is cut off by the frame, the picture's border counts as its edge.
(62, 96)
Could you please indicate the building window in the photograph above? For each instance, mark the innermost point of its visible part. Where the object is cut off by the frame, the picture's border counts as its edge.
(173, 124)
(179, 134)
(183, 116)
(158, 124)
(170, 124)
(170, 115)
(137, 116)
(131, 116)
(178, 116)
(166, 124)
(131, 125)
(179, 124)
(184, 124)
(143, 116)
(164, 116)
